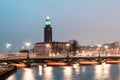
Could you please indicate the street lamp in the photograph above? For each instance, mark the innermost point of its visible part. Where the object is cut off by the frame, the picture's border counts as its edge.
(106, 48)
(99, 49)
(27, 44)
(68, 47)
(8, 45)
(99, 45)
(47, 45)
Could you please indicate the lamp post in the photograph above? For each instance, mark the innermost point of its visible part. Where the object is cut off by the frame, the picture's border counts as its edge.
(99, 52)
(27, 44)
(8, 45)
(68, 47)
(99, 49)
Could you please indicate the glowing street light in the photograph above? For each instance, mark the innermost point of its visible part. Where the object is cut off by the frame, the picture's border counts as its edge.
(99, 46)
(8, 45)
(106, 47)
(48, 45)
(27, 44)
(68, 47)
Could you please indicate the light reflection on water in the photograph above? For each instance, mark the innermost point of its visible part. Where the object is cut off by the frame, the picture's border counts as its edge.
(48, 75)
(87, 72)
(40, 69)
(102, 71)
(67, 71)
(28, 74)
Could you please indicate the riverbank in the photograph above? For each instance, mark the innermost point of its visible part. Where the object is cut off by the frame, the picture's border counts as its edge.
(6, 71)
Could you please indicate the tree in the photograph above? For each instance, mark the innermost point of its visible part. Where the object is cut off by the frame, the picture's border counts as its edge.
(74, 46)
(24, 51)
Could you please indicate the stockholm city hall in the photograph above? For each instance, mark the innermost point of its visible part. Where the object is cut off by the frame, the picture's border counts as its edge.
(49, 46)
(47, 31)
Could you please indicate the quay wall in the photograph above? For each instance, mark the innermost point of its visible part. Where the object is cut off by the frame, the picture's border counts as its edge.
(7, 72)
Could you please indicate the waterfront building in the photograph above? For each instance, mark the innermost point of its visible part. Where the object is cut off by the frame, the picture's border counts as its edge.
(49, 46)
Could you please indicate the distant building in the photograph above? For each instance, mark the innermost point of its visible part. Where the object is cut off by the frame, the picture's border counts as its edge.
(53, 47)
(49, 46)
(113, 45)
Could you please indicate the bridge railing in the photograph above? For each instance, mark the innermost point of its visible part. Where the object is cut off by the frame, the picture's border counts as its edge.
(33, 55)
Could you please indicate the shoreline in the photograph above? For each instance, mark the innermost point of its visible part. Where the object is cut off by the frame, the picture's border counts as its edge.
(6, 71)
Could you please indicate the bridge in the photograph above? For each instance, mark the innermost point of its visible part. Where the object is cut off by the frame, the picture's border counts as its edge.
(68, 59)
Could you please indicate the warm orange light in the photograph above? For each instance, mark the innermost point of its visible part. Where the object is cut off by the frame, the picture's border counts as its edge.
(67, 44)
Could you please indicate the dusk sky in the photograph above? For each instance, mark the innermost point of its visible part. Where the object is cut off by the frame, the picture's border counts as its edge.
(82, 20)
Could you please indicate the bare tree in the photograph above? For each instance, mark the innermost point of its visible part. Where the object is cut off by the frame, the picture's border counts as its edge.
(74, 46)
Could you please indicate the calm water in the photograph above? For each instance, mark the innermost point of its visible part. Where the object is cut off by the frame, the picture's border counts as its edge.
(86, 72)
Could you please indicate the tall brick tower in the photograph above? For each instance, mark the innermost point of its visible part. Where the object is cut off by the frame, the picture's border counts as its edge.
(47, 31)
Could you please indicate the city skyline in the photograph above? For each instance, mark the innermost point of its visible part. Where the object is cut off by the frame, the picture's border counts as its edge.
(84, 21)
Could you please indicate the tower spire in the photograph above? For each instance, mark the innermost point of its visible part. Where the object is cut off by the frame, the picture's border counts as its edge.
(47, 21)
(47, 30)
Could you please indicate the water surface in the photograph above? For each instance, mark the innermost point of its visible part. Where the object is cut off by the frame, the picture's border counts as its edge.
(82, 72)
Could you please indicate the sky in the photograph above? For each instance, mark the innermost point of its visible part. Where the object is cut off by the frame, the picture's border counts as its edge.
(86, 21)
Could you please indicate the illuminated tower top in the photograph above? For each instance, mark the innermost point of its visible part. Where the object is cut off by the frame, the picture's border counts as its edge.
(47, 31)
(47, 21)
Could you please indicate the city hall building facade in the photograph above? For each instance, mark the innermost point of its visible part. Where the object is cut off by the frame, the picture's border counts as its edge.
(49, 47)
